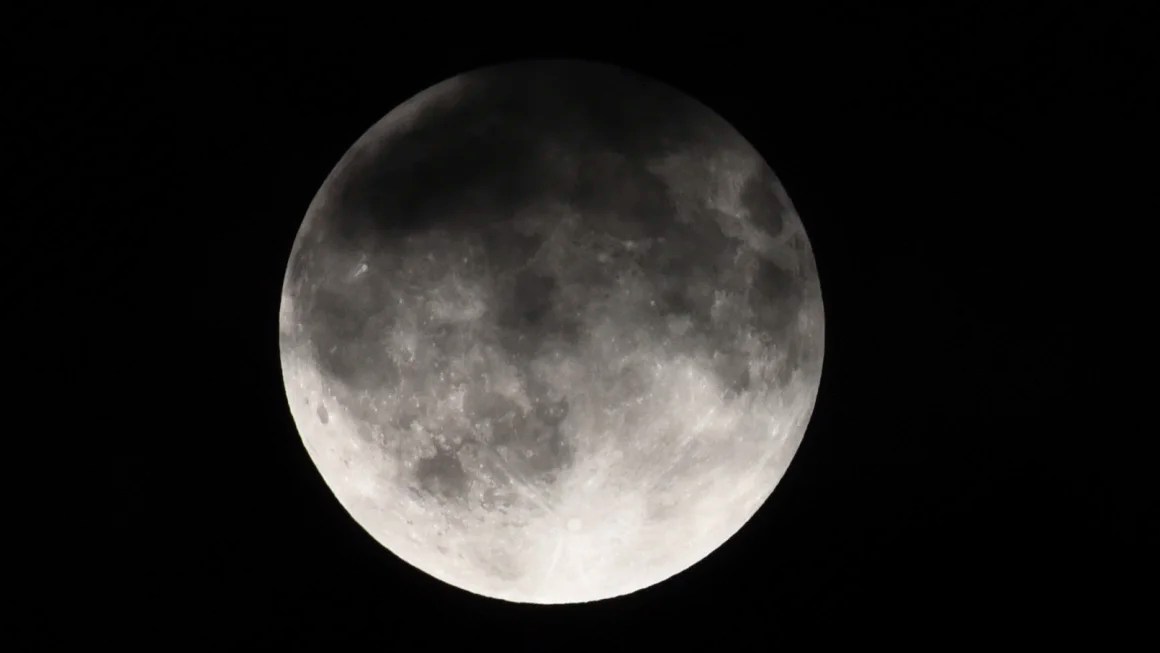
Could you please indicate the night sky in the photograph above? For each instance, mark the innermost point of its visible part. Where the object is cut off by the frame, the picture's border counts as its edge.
(963, 474)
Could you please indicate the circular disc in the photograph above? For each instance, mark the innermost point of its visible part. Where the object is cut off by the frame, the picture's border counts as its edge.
(551, 331)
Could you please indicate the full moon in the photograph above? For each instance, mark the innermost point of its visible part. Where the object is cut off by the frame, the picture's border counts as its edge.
(551, 331)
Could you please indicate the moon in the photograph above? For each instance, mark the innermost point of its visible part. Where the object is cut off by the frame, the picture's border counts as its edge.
(551, 331)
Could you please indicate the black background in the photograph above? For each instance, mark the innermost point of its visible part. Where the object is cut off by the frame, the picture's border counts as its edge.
(966, 472)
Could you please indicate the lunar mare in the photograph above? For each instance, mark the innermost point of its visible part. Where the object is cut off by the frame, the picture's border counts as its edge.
(551, 331)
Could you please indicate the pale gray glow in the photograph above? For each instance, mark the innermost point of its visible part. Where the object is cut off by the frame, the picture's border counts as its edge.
(551, 332)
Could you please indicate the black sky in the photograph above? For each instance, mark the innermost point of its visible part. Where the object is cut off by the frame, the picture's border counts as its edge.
(964, 473)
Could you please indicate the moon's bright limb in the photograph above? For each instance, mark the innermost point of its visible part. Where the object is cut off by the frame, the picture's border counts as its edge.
(551, 331)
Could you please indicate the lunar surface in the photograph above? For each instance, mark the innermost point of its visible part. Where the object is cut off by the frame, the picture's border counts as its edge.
(551, 331)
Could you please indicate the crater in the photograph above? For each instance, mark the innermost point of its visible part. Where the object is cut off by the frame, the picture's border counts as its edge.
(531, 300)
(776, 296)
(766, 208)
(442, 475)
(360, 363)
(733, 370)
